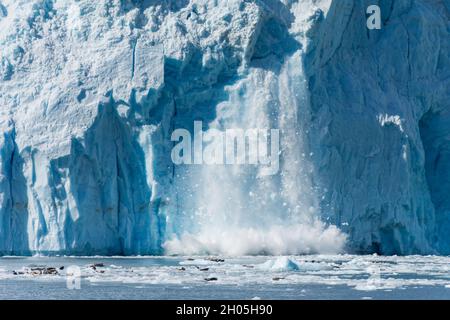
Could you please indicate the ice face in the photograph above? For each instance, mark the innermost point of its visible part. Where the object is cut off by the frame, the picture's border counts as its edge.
(379, 101)
(91, 92)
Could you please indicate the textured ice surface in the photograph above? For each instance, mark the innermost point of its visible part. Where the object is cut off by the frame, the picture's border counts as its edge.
(91, 90)
(380, 102)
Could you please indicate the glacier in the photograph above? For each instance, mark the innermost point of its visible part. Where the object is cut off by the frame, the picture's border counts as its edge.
(90, 92)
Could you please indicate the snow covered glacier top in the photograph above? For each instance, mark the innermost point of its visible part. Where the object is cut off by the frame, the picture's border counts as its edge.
(90, 92)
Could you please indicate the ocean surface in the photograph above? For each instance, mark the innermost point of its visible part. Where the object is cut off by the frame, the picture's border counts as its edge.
(262, 277)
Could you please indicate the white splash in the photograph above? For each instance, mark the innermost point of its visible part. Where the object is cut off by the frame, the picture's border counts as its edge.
(277, 240)
(237, 209)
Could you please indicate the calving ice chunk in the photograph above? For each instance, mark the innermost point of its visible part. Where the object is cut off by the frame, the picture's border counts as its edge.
(188, 310)
(232, 146)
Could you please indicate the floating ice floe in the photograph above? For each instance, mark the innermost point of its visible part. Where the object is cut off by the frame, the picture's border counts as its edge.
(362, 273)
(280, 264)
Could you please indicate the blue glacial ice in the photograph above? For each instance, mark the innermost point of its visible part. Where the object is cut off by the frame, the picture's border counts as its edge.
(90, 92)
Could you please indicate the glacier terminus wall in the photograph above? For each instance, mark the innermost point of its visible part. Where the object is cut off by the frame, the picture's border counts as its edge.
(90, 92)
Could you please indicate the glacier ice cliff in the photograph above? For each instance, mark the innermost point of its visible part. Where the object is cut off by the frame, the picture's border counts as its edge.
(379, 101)
(90, 92)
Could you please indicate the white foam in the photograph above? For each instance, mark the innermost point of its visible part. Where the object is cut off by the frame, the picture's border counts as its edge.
(277, 240)
(356, 272)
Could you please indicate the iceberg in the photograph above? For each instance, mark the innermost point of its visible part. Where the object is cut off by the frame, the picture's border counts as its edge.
(90, 93)
(280, 264)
